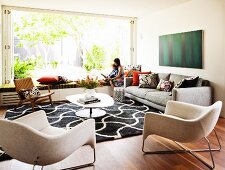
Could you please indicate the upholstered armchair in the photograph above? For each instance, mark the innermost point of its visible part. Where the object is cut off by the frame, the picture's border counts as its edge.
(32, 140)
(184, 123)
(26, 84)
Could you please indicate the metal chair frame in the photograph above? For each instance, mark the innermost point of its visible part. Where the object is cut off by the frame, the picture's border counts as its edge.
(192, 152)
(75, 167)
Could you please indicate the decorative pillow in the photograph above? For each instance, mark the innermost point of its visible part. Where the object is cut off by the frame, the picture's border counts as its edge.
(129, 69)
(26, 94)
(179, 84)
(191, 82)
(63, 79)
(176, 78)
(164, 85)
(187, 82)
(34, 92)
(128, 73)
(136, 77)
(133, 67)
(148, 81)
(48, 79)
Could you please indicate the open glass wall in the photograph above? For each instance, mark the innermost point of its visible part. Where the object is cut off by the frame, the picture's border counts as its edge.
(69, 45)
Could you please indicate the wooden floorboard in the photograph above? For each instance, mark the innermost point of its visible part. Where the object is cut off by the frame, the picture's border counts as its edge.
(126, 154)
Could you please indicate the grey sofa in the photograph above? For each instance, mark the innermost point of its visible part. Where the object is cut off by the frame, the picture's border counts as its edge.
(200, 95)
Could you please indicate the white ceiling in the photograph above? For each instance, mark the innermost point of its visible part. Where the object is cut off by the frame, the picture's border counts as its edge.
(132, 8)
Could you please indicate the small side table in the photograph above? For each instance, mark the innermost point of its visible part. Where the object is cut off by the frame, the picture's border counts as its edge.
(118, 94)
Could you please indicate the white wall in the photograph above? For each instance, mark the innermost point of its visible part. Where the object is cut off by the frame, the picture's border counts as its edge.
(208, 15)
(1, 69)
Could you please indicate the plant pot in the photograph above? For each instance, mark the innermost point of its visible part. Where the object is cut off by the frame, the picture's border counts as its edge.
(89, 93)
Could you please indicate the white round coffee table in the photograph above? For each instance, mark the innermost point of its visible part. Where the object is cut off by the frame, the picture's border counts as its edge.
(93, 109)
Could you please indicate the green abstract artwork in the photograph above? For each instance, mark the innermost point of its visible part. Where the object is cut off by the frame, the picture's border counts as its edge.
(181, 49)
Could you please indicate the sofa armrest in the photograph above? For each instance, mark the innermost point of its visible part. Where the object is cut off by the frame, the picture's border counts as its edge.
(128, 81)
(195, 95)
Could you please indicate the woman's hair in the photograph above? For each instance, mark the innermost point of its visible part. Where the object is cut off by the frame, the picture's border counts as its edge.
(117, 61)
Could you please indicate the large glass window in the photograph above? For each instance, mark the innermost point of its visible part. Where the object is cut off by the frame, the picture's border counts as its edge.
(44, 43)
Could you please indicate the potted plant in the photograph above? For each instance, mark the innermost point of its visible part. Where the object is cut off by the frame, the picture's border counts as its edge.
(89, 84)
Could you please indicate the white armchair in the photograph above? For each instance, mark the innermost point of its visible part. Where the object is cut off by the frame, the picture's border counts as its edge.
(183, 122)
(32, 140)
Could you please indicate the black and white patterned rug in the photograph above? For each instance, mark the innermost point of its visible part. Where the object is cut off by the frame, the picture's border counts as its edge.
(121, 120)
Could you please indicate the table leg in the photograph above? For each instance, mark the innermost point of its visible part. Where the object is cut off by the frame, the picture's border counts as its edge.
(90, 112)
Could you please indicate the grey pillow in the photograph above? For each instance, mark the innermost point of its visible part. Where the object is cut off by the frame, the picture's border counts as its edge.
(148, 80)
(163, 76)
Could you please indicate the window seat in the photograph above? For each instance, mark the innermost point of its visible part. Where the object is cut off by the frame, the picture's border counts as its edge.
(8, 94)
(11, 87)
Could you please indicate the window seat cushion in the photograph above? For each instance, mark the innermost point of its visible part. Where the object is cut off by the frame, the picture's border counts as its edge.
(11, 87)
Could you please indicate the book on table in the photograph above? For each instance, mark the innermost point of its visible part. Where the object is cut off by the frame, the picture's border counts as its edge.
(89, 100)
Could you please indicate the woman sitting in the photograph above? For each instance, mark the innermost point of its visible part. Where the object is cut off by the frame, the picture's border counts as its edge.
(118, 80)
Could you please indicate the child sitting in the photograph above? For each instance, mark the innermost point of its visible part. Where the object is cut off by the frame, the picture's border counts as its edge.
(114, 72)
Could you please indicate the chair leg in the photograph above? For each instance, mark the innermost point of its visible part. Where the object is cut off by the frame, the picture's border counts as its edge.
(213, 149)
(84, 165)
(205, 150)
(50, 98)
(192, 152)
(162, 152)
(32, 105)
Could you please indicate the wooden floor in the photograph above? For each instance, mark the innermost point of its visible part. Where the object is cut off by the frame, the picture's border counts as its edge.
(126, 154)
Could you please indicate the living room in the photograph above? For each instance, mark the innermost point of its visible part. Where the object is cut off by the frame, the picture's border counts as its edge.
(123, 126)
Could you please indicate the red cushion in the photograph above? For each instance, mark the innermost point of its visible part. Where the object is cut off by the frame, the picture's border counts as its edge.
(136, 77)
(48, 79)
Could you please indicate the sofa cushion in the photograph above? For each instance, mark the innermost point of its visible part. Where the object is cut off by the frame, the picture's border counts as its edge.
(130, 68)
(201, 82)
(164, 85)
(148, 80)
(34, 92)
(48, 79)
(158, 97)
(176, 78)
(139, 92)
(187, 82)
(163, 76)
(136, 77)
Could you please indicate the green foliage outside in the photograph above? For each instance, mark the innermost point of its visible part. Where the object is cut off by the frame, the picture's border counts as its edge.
(95, 59)
(45, 29)
(23, 68)
(54, 64)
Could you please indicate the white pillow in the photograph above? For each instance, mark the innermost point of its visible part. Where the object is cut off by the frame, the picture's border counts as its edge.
(34, 92)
